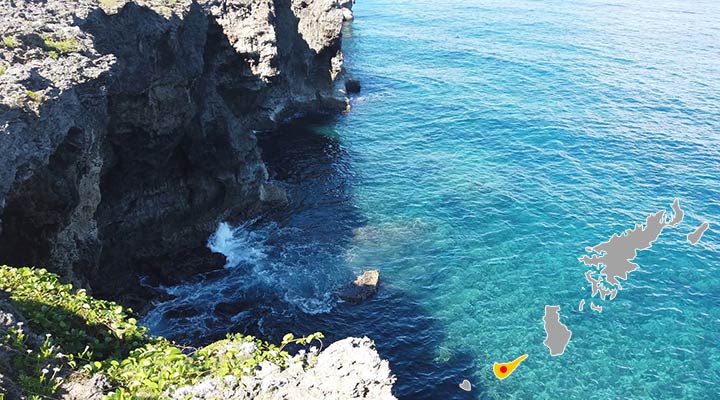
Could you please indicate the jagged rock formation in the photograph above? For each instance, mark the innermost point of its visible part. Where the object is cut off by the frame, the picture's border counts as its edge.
(127, 129)
(346, 8)
(347, 369)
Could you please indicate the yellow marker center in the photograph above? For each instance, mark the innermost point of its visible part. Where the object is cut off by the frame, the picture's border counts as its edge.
(503, 370)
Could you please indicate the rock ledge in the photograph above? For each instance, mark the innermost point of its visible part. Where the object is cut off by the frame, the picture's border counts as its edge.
(347, 369)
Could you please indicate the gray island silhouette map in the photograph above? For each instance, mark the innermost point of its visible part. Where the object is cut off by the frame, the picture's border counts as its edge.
(610, 262)
(695, 236)
(616, 255)
(558, 335)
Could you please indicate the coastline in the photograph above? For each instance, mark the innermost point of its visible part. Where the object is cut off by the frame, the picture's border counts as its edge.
(141, 117)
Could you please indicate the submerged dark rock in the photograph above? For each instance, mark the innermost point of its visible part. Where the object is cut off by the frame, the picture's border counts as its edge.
(125, 144)
(364, 287)
(352, 86)
(230, 308)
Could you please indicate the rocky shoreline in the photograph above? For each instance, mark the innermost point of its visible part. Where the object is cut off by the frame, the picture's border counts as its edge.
(128, 133)
(56, 342)
(129, 128)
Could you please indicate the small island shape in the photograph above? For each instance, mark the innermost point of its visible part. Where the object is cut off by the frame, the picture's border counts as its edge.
(695, 236)
(558, 334)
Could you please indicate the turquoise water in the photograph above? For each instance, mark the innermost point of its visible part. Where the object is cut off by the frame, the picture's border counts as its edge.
(494, 141)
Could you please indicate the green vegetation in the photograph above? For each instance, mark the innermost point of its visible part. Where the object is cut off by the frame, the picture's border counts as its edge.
(87, 335)
(64, 46)
(108, 3)
(10, 42)
(35, 96)
(3, 69)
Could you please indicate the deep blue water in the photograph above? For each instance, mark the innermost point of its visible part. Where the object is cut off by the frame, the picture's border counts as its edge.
(494, 141)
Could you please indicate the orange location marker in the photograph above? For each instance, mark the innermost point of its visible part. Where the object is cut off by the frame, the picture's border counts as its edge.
(503, 370)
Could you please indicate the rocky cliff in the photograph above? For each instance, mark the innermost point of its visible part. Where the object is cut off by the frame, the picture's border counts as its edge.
(127, 129)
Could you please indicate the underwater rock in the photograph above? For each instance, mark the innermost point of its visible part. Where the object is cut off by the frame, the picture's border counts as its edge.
(273, 195)
(352, 86)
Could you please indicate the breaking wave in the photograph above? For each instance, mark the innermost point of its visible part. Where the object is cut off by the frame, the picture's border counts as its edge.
(268, 269)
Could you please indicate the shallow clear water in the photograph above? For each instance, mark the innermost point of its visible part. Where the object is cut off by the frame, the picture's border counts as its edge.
(492, 142)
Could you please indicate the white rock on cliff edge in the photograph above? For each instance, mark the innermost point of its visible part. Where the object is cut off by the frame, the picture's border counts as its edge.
(348, 369)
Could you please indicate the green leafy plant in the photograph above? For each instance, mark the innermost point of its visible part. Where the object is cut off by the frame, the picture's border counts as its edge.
(97, 336)
(10, 42)
(64, 46)
(3, 69)
(37, 369)
(150, 371)
(35, 96)
(80, 318)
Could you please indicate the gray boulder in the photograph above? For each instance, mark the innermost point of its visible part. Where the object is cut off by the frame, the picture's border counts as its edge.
(364, 287)
(81, 388)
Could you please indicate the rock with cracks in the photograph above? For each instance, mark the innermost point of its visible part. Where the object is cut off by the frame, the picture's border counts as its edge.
(347, 369)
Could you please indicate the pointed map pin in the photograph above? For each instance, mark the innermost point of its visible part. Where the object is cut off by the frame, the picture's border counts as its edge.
(503, 370)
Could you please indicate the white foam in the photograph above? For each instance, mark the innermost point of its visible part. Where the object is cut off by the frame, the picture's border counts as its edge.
(239, 245)
(292, 274)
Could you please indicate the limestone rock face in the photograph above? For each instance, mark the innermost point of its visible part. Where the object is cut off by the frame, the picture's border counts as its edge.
(127, 129)
(364, 287)
(347, 369)
(86, 389)
(346, 9)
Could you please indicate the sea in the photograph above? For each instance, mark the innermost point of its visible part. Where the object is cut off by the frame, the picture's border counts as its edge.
(491, 144)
